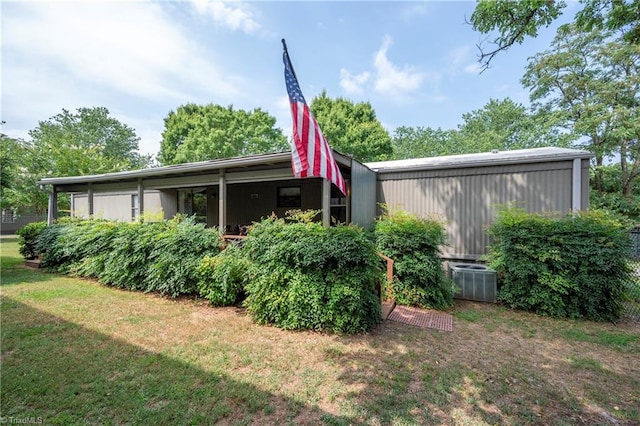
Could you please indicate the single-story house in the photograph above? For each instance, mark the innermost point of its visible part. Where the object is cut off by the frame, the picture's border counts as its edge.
(463, 190)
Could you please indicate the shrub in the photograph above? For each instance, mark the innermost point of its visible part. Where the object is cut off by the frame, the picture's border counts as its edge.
(413, 243)
(126, 266)
(566, 266)
(28, 239)
(161, 256)
(222, 277)
(176, 254)
(87, 244)
(305, 276)
(49, 245)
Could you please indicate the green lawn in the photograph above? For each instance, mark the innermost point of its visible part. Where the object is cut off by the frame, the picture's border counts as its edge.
(76, 352)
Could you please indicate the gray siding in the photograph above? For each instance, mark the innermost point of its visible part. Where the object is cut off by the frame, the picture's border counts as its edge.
(115, 205)
(363, 195)
(468, 199)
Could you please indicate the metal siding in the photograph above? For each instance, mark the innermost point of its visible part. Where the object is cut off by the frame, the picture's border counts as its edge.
(153, 203)
(363, 195)
(112, 206)
(469, 204)
(80, 206)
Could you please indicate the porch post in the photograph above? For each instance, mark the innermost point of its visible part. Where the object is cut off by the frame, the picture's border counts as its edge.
(140, 199)
(52, 213)
(326, 202)
(90, 200)
(222, 202)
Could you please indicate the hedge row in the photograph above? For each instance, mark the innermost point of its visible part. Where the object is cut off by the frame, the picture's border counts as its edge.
(153, 257)
(294, 275)
(413, 243)
(571, 266)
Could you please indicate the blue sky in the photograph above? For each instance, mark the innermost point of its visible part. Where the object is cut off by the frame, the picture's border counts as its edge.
(415, 62)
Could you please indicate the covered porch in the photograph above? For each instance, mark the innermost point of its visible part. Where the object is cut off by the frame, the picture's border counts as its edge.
(227, 193)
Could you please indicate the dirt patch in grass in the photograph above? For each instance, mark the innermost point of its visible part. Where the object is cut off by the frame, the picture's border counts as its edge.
(74, 351)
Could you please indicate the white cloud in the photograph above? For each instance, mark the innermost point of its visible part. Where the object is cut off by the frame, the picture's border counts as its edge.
(413, 10)
(460, 56)
(391, 80)
(132, 48)
(235, 17)
(473, 68)
(353, 84)
(457, 57)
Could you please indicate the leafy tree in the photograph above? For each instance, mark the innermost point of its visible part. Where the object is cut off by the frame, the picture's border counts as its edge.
(500, 124)
(10, 155)
(506, 125)
(352, 129)
(89, 141)
(420, 142)
(516, 20)
(73, 142)
(590, 81)
(610, 197)
(206, 132)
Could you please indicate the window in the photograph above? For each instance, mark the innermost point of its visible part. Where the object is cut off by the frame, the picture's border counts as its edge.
(289, 196)
(135, 207)
(8, 216)
(193, 202)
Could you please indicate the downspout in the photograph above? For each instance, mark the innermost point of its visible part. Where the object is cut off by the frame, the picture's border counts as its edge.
(90, 200)
(222, 202)
(576, 185)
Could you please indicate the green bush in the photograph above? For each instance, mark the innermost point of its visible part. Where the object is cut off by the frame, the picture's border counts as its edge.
(86, 245)
(161, 256)
(69, 245)
(305, 276)
(28, 239)
(126, 265)
(222, 277)
(413, 243)
(177, 252)
(566, 266)
(50, 247)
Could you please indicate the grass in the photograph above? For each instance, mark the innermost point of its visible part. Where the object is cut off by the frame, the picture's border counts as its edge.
(76, 352)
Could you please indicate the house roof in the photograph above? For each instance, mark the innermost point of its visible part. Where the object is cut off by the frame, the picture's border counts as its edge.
(261, 161)
(533, 155)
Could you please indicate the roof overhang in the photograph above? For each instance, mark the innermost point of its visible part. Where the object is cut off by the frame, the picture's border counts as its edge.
(241, 166)
(494, 158)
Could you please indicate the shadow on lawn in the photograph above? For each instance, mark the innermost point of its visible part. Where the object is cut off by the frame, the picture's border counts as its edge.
(408, 375)
(66, 374)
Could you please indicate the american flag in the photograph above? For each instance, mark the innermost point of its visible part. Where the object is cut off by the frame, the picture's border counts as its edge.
(310, 151)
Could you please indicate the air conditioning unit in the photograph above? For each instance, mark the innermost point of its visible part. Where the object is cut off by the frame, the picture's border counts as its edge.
(474, 282)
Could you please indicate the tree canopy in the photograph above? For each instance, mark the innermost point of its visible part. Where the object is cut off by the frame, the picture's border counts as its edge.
(352, 128)
(206, 132)
(421, 142)
(10, 155)
(86, 142)
(500, 124)
(591, 81)
(514, 21)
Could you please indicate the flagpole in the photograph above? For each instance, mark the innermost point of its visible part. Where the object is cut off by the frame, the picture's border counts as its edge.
(286, 55)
